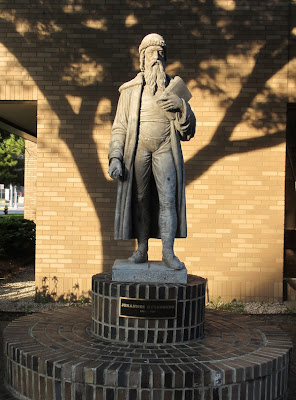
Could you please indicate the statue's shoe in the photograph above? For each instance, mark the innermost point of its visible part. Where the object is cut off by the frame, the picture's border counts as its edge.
(173, 262)
(138, 257)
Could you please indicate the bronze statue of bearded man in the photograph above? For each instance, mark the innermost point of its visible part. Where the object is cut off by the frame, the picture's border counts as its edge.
(153, 116)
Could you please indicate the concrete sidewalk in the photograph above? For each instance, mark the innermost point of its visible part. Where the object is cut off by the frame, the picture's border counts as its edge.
(12, 210)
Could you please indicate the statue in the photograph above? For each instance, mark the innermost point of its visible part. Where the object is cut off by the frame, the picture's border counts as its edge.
(145, 155)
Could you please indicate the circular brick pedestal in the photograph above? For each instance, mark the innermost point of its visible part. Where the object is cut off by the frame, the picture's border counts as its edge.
(176, 312)
(54, 355)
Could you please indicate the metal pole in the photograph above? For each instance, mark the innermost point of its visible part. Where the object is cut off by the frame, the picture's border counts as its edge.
(10, 195)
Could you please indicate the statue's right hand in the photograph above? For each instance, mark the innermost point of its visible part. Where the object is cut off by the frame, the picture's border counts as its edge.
(115, 168)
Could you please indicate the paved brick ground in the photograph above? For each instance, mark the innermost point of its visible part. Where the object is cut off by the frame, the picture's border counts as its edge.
(287, 323)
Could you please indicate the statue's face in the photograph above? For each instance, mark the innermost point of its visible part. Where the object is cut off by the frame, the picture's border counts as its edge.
(154, 54)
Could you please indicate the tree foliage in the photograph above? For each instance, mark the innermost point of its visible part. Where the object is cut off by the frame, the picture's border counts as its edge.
(11, 159)
(17, 237)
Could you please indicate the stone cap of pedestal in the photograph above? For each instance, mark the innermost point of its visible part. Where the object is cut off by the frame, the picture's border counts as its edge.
(149, 272)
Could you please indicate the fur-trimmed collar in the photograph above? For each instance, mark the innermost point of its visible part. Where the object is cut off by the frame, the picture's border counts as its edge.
(138, 80)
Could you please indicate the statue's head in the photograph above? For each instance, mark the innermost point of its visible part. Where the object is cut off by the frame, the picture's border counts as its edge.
(152, 62)
(152, 43)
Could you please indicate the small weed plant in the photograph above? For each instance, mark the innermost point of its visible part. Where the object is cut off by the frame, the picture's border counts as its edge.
(232, 306)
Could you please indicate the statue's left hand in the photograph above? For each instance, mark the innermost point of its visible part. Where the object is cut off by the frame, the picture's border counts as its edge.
(170, 102)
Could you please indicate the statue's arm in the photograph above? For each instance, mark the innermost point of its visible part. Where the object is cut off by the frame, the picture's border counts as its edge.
(185, 121)
(119, 128)
(118, 135)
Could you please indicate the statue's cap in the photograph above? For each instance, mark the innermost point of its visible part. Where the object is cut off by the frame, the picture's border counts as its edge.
(153, 39)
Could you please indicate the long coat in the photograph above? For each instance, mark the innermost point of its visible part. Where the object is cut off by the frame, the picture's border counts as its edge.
(123, 146)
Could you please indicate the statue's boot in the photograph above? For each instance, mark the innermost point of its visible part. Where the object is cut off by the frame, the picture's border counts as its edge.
(168, 228)
(172, 261)
(141, 254)
(138, 257)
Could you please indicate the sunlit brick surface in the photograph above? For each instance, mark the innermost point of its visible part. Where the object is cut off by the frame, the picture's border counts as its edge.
(30, 180)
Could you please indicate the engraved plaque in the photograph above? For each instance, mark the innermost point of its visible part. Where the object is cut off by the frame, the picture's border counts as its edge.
(147, 309)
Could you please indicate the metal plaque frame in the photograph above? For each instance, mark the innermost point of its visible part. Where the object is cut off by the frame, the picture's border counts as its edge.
(147, 308)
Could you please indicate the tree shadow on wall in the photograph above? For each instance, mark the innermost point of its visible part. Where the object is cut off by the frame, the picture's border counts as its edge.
(84, 54)
(48, 293)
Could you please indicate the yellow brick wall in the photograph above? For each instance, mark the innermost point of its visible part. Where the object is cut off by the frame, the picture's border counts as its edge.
(292, 53)
(72, 57)
(30, 179)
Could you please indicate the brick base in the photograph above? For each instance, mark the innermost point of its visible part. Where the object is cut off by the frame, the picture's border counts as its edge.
(188, 300)
(53, 355)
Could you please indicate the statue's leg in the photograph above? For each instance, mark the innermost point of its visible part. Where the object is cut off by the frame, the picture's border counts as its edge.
(142, 173)
(164, 172)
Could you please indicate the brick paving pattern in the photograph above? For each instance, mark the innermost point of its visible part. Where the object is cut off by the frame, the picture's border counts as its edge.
(237, 357)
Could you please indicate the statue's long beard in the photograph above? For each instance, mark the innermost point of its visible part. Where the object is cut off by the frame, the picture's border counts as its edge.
(155, 77)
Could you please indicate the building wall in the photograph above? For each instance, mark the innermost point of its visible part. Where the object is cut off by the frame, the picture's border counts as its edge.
(72, 56)
(30, 179)
(292, 52)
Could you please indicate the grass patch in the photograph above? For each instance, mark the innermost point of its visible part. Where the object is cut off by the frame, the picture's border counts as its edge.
(12, 215)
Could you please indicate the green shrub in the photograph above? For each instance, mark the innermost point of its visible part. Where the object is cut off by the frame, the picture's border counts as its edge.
(17, 237)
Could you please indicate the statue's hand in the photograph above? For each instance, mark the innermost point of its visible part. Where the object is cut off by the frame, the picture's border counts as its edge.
(170, 102)
(115, 168)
